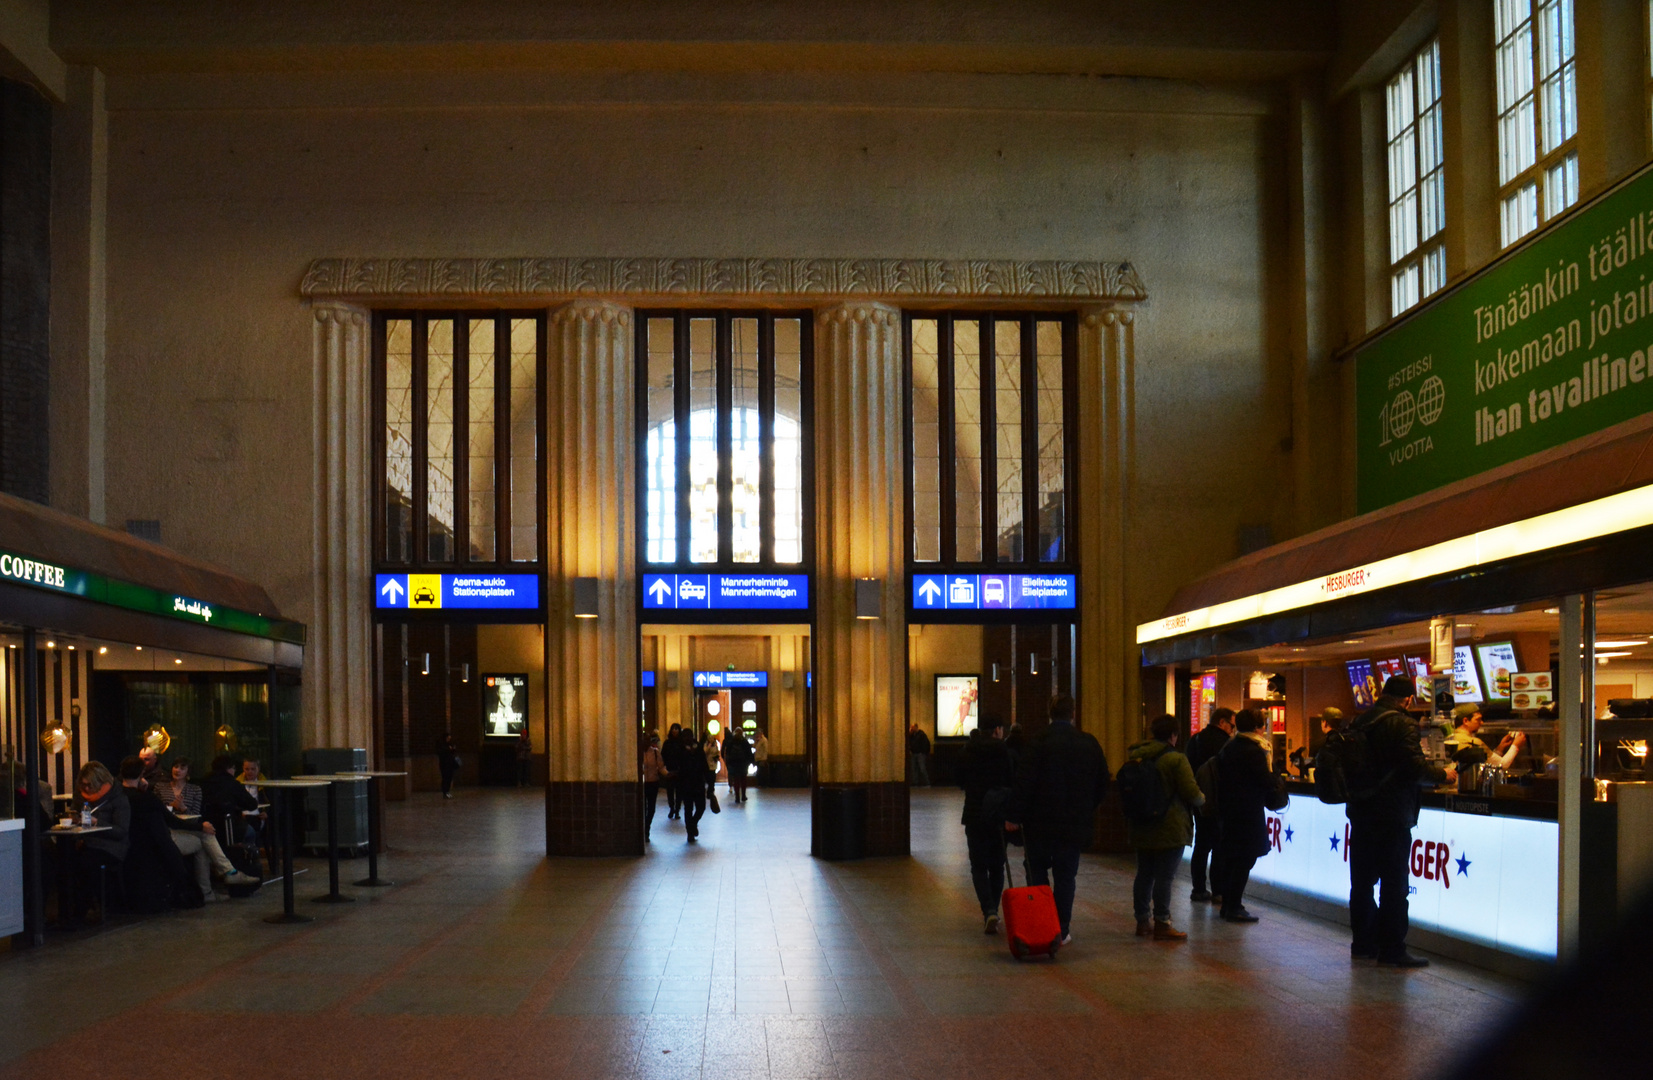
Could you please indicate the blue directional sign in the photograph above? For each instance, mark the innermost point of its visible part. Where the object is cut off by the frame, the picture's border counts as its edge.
(730, 680)
(648, 679)
(995, 592)
(430, 592)
(726, 592)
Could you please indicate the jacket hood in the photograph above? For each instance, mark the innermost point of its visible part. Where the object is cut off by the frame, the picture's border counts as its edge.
(1147, 749)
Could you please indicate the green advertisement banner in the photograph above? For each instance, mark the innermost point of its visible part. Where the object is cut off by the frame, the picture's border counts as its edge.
(1550, 343)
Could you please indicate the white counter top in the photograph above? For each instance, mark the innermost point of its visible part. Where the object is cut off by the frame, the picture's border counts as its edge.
(15, 824)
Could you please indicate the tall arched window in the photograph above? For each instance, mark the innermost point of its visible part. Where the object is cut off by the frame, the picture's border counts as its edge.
(733, 490)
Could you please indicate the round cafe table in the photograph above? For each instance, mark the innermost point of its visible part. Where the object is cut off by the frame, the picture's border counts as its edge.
(283, 790)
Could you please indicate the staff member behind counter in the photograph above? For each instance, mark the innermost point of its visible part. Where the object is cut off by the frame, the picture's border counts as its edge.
(1466, 747)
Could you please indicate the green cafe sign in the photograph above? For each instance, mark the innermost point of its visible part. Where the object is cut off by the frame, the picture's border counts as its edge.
(1552, 342)
(23, 570)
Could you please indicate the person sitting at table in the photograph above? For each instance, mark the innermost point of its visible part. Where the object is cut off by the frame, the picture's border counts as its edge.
(177, 793)
(103, 851)
(1466, 747)
(224, 802)
(254, 824)
(151, 759)
(154, 871)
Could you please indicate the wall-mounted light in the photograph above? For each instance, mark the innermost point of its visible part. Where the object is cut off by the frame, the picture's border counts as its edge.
(1033, 663)
(788, 680)
(103, 649)
(869, 598)
(671, 680)
(465, 672)
(426, 669)
(995, 671)
(585, 598)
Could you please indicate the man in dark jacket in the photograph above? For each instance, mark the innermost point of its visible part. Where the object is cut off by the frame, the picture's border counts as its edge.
(1383, 810)
(1245, 784)
(155, 873)
(225, 801)
(1207, 826)
(985, 767)
(1059, 784)
(690, 777)
(918, 752)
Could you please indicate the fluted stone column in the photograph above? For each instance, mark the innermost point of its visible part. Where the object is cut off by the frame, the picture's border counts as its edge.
(338, 655)
(593, 802)
(1109, 675)
(861, 664)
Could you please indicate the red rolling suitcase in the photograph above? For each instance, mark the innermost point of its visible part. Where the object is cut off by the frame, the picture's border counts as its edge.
(1030, 922)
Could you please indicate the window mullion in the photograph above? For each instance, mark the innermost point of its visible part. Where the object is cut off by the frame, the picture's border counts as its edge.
(946, 418)
(1030, 443)
(725, 443)
(766, 440)
(421, 425)
(504, 537)
(461, 440)
(683, 368)
(988, 365)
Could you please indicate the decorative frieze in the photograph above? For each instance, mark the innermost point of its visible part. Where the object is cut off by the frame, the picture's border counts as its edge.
(716, 279)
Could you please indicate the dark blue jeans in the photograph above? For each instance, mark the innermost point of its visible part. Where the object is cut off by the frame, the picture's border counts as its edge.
(1377, 857)
(1156, 870)
(986, 843)
(1047, 859)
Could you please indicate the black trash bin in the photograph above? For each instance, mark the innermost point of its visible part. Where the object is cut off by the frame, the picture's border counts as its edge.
(843, 824)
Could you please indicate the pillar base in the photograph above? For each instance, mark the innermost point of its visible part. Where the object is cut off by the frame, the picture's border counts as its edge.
(594, 817)
(886, 818)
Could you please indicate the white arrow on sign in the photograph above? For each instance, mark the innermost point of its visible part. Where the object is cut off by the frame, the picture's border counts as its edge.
(394, 590)
(929, 591)
(660, 590)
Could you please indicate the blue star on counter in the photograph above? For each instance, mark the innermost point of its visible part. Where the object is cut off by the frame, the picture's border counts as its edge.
(1463, 866)
(1288, 834)
(1334, 843)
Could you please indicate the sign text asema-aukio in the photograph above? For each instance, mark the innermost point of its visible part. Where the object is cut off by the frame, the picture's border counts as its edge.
(1551, 343)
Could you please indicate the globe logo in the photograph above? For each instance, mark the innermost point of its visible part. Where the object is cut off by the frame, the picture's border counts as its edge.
(1431, 399)
(1401, 412)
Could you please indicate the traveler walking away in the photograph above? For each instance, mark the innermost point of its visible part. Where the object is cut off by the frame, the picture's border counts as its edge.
(690, 776)
(760, 756)
(447, 759)
(918, 754)
(1060, 782)
(1203, 747)
(525, 757)
(713, 754)
(653, 770)
(737, 759)
(1159, 795)
(1247, 789)
(1385, 768)
(671, 753)
(986, 775)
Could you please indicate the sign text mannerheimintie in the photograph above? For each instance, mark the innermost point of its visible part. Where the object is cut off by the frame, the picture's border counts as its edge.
(1545, 346)
(726, 592)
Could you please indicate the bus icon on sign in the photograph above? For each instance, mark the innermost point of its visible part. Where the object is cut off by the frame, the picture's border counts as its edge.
(992, 591)
(961, 591)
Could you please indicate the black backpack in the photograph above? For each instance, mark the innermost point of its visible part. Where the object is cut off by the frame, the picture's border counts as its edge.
(1341, 769)
(1142, 790)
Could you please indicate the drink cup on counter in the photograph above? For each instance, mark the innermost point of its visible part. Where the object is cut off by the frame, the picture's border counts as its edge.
(66, 822)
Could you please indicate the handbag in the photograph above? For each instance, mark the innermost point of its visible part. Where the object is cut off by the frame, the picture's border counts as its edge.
(1277, 798)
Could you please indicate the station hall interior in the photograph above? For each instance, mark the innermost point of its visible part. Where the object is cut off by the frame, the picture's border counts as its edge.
(553, 512)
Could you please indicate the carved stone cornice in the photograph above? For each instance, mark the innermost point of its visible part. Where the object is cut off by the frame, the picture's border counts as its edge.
(921, 279)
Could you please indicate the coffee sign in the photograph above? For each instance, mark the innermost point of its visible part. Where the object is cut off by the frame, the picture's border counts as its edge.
(1550, 343)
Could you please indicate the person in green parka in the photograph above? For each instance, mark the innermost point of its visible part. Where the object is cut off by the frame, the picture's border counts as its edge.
(1159, 844)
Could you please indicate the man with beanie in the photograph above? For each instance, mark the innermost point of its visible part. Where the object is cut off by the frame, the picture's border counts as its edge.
(1383, 810)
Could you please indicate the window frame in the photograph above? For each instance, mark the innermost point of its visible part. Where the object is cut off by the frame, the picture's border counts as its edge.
(419, 526)
(1434, 245)
(681, 399)
(1537, 175)
(948, 562)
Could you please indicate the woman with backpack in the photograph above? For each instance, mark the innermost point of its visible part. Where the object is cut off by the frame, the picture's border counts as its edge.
(1159, 794)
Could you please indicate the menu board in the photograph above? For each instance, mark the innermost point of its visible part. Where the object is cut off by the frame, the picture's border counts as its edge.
(1362, 682)
(1498, 666)
(1203, 691)
(1388, 669)
(1466, 684)
(1420, 672)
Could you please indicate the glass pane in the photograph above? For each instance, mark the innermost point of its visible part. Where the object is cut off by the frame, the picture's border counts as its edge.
(660, 528)
(1561, 186)
(439, 441)
(1052, 445)
(399, 440)
(1403, 289)
(702, 440)
(479, 440)
(1007, 417)
(744, 455)
(525, 466)
(926, 442)
(789, 446)
(967, 493)
(1519, 214)
(1434, 271)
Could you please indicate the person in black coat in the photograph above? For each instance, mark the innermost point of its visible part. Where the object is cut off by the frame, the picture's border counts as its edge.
(985, 766)
(671, 758)
(154, 872)
(1208, 826)
(1245, 786)
(737, 757)
(225, 800)
(447, 760)
(690, 776)
(1060, 781)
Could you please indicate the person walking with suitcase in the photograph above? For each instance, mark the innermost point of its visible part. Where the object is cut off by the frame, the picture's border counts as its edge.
(1059, 784)
(1383, 810)
(1159, 794)
(986, 775)
(1247, 790)
(1203, 747)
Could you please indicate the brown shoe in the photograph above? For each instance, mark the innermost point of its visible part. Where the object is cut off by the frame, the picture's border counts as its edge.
(1166, 932)
(1144, 928)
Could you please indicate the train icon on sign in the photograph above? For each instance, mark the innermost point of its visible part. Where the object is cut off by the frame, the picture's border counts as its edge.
(691, 590)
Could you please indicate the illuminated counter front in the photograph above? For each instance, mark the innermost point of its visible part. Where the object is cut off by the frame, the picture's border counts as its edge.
(1483, 877)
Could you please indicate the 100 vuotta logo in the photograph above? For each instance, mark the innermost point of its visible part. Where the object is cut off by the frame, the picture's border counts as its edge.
(1421, 406)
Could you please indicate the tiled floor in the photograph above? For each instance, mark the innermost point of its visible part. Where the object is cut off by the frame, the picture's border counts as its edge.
(739, 958)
